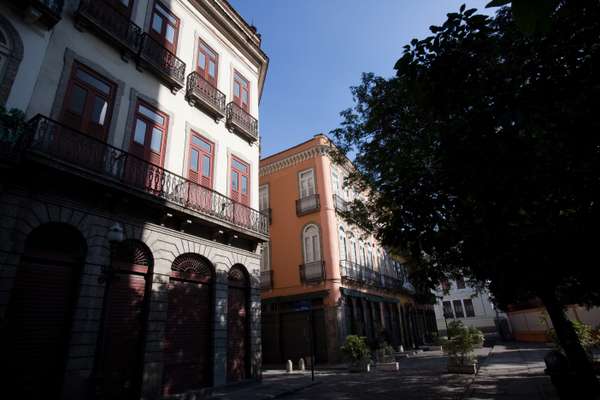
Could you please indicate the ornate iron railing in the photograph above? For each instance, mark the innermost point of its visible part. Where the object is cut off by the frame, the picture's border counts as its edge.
(162, 61)
(241, 121)
(308, 204)
(312, 272)
(340, 204)
(48, 11)
(199, 90)
(266, 279)
(61, 143)
(111, 23)
(360, 274)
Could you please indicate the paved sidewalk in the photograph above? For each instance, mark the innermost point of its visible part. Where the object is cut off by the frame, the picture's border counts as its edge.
(275, 384)
(513, 371)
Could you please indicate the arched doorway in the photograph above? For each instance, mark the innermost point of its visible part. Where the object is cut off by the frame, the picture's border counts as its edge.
(35, 336)
(124, 320)
(188, 335)
(238, 344)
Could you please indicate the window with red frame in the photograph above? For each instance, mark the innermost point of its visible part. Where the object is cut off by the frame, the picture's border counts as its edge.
(208, 63)
(240, 181)
(149, 136)
(201, 160)
(164, 27)
(88, 102)
(241, 91)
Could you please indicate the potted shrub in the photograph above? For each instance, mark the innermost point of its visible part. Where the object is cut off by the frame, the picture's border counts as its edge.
(459, 348)
(357, 352)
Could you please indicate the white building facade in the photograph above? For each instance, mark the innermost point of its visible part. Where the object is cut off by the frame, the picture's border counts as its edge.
(130, 232)
(464, 303)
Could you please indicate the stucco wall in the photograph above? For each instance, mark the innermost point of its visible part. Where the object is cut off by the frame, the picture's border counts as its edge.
(66, 41)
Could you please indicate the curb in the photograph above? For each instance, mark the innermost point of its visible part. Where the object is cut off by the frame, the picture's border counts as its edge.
(290, 391)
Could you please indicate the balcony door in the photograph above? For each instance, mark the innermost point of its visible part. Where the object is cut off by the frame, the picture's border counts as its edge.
(307, 183)
(88, 102)
(312, 247)
(208, 63)
(202, 153)
(149, 137)
(164, 27)
(241, 92)
(240, 181)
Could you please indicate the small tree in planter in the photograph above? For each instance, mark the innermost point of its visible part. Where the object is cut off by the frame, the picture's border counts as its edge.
(460, 350)
(357, 352)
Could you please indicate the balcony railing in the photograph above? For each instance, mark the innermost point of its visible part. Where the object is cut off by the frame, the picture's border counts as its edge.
(117, 28)
(202, 94)
(266, 279)
(354, 272)
(312, 272)
(90, 156)
(241, 122)
(339, 203)
(307, 205)
(48, 12)
(164, 63)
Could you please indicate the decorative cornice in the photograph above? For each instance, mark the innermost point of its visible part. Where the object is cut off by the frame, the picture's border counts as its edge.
(294, 159)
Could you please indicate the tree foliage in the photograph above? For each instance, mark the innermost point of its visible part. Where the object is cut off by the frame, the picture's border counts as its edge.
(482, 154)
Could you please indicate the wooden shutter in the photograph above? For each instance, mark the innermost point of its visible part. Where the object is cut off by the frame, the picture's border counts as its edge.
(187, 347)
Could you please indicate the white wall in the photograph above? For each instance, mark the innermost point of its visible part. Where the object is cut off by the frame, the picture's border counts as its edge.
(483, 307)
(88, 46)
(35, 40)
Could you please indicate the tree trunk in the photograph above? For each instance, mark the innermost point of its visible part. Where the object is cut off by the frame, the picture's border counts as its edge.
(567, 337)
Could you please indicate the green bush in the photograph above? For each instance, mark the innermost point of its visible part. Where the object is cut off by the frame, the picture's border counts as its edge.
(461, 344)
(454, 328)
(355, 349)
(588, 337)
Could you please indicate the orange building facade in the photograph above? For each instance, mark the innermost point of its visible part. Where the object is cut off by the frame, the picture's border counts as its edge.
(322, 278)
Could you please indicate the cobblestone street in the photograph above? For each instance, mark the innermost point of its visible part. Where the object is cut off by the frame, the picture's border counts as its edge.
(510, 371)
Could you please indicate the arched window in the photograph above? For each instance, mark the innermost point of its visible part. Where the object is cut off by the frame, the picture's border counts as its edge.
(353, 250)
(362, 254)
(312, 244)
(11, 54)
(343, 245)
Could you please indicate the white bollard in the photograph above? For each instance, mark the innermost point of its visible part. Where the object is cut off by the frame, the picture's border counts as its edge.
(301, 365)
(289, 366)
(401, 349)
(397, 366)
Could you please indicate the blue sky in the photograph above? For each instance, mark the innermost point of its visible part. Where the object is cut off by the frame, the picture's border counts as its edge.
(319, 48)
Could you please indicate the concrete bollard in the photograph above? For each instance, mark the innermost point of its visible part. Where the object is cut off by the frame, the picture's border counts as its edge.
(401, 349)
(397, 366)
(289, 367)
(368, 367)
(301, 365)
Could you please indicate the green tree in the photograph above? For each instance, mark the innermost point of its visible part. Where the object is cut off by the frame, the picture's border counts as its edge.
(482, 155)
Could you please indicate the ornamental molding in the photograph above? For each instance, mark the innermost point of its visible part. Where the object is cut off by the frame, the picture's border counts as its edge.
(294, 159)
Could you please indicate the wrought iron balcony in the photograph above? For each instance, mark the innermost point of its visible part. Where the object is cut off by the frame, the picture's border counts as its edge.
(162, 62)
(266, 280)
(354, 272)
(74, 151)
(47, 12)
(110, 24)
(340, 204)
(241, 122)
(202, 94)
(307, 205)
(312, 272)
